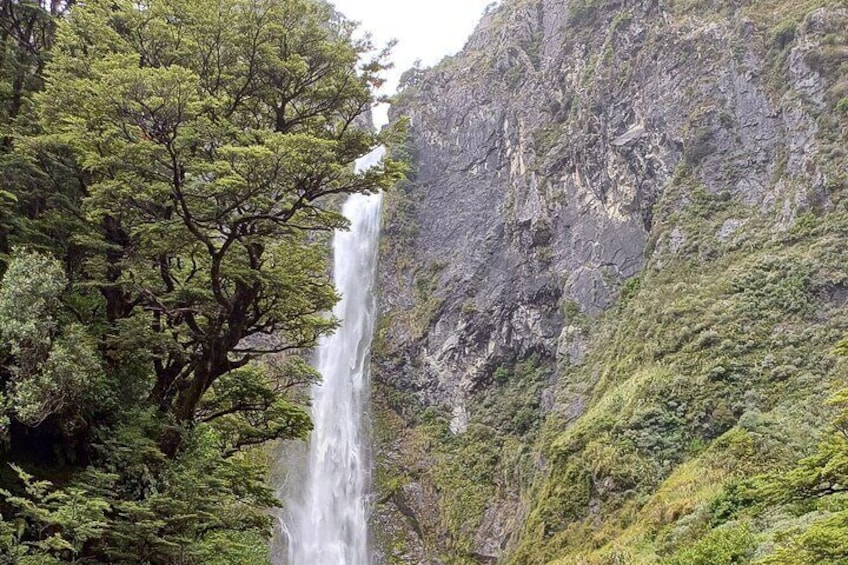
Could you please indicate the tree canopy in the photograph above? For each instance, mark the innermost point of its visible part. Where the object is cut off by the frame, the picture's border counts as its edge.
(172, 170)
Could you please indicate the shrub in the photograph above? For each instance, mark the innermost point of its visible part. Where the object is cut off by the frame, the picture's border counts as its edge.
(723, 546)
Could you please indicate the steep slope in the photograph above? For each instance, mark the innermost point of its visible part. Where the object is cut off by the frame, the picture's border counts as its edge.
(614, 282)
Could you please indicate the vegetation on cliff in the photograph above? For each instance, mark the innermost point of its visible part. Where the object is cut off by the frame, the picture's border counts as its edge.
(695, 419)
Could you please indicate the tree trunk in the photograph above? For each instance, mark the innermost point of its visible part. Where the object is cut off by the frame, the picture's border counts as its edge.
(214, 363)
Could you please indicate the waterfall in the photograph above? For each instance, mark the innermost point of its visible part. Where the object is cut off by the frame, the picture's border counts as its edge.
(326, 522)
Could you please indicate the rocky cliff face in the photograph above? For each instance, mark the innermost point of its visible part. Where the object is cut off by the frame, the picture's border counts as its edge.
(589, 179)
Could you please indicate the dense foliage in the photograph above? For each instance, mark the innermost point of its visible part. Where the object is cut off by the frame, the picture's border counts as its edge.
(170, 168)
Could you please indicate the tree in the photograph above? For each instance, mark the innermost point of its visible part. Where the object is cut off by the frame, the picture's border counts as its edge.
(211, 136)
(171, 177)
(27, 29)
(55, 369)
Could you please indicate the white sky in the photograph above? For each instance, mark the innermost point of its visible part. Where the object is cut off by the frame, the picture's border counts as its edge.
(425, 29)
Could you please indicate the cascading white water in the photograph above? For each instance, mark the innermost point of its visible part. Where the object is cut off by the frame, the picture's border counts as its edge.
(327, 521)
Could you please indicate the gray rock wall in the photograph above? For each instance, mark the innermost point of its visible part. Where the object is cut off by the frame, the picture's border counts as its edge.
(547, 163)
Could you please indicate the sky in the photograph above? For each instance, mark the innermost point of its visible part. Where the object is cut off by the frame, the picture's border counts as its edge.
(425, 29)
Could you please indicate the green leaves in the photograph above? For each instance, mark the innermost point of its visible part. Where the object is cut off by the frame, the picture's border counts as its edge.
(179, 174)
(29, 301)
(55, 369)
(213, 139)
(724, 546)
(62, 521)
(200, 509)
(249, 406)
(814, 492)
